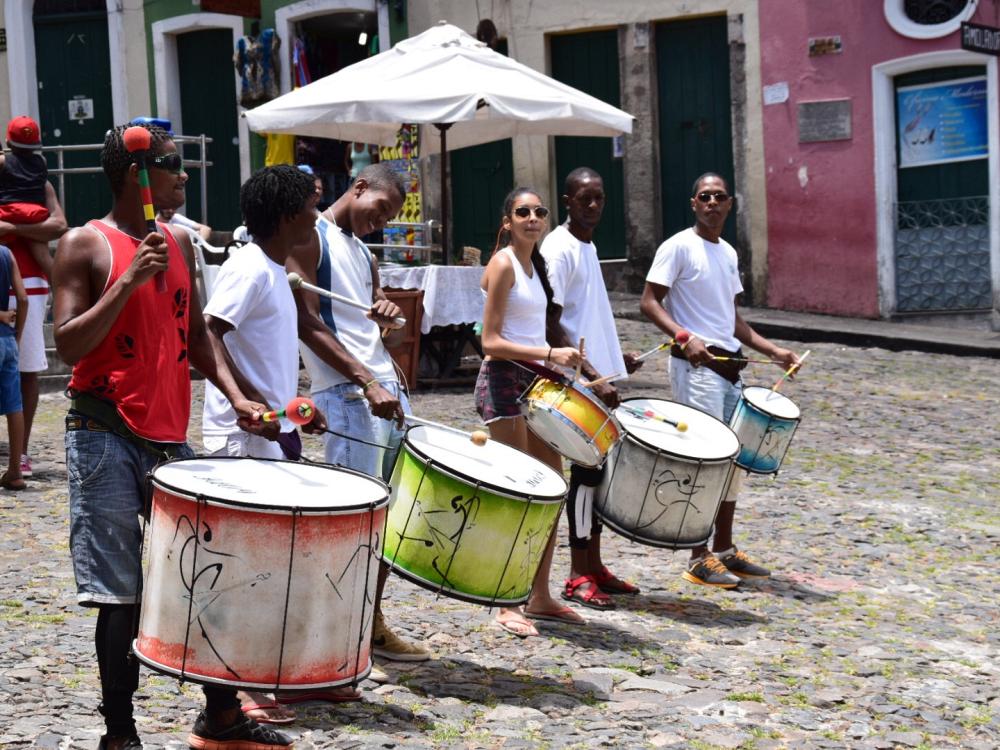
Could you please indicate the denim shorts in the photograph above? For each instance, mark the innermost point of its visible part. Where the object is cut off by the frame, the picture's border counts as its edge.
(10, 378)
(703, 389)
(499, 388)
(107, 494)
(348, 413)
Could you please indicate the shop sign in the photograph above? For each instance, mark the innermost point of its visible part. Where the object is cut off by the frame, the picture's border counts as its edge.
(942, 122)
(248, 8)
(978, 38)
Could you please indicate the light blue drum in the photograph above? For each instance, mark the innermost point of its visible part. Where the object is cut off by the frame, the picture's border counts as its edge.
(765, 422)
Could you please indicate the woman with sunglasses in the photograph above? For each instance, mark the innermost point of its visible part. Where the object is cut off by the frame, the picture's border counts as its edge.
(518, 296)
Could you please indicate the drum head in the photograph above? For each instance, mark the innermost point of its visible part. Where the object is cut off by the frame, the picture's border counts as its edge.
(261, 484)
(771, 402)
(497, 465)
(706, 437)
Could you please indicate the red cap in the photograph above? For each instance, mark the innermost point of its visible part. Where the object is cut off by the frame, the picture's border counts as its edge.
(23, 132)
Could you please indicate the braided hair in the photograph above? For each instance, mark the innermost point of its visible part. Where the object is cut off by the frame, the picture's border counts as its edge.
(116, 159)
(537, 261)
(272, 194)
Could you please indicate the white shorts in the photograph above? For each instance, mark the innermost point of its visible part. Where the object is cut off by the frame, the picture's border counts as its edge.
(32, 349)
(241, 444)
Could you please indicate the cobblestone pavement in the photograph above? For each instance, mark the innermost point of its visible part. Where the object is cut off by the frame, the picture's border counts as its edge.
(879, 628)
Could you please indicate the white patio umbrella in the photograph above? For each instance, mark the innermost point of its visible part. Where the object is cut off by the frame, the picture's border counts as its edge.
(442, 77)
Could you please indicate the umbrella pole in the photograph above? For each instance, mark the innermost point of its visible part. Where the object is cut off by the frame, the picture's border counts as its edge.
(443, 129)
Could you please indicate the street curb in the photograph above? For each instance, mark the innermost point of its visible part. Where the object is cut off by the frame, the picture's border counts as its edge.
(860, 332)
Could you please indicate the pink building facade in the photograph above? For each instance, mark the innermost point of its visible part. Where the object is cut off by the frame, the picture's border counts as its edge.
(858, 223)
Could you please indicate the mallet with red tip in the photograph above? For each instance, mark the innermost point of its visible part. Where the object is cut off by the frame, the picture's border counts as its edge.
(300, 411)
(681, 339)
(137, 142)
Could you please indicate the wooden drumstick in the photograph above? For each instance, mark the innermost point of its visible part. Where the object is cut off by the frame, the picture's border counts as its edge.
(297, 282)
(579, 365)
(748, 360)
(599, 381)
(790, 371)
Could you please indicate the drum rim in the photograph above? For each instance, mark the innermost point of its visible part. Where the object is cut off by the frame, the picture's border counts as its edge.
(590, 439)
(451, 593)
(629, 436)
(577, 386)
(426, 460)
(203, 680)
(647, 540)
(277, 509)
(767, 413)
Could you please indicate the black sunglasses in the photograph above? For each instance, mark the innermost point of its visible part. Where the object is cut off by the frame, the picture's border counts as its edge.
(524, 212)
(170, 162)
(720, 196)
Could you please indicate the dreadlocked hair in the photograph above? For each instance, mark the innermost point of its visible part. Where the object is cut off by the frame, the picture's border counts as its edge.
(272, 194)
(116, 159)
(537, 261)
(383, 178)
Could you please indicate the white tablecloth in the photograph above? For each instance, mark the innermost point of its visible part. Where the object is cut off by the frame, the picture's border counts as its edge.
(451, 293)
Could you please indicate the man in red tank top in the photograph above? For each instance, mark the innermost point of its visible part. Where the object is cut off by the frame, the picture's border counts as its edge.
(131, 347)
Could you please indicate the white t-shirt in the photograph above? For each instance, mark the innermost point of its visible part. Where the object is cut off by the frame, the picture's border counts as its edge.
(345, 269)
(703, 280)
(252, 294)
(578, 287)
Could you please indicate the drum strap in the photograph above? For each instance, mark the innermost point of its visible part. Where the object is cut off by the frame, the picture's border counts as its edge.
(104, 412)
(728, 369)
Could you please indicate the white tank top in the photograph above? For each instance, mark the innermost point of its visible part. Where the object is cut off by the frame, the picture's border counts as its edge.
(524, 320)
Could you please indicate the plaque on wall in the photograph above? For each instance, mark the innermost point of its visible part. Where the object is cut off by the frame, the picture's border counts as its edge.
(248, 8)
(824, 121)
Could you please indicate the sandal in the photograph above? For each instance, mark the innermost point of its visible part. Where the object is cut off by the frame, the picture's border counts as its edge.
(608, 581)
(267, 712)
(586, 591)
(516, 624)
(14, 485)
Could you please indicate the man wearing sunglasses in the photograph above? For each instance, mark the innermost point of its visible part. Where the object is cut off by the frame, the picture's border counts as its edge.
(131, 347)
(692, 286)
(582, 310)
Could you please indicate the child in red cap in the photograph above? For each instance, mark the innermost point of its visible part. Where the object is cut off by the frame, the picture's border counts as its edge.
(23, 173)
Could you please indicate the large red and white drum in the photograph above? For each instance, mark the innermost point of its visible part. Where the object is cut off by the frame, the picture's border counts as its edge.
(261, 573)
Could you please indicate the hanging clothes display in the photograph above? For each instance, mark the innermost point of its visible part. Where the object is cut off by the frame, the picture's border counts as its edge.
(256, 61)
(300, 66)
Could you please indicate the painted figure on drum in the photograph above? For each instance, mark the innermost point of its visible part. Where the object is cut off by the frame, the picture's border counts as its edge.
(518, 297)
(581, 310)
(692, 286)
(106, 295)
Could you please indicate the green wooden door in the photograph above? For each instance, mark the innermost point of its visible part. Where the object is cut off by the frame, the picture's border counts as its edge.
(694, 107)
(208, 105)
(481, 177)
(589, 62)
(74, 101)
(942, 217)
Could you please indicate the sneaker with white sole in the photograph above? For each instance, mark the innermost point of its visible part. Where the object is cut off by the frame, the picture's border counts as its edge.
(390, 646)
(25, 466)
(739, 564)
(708, 570)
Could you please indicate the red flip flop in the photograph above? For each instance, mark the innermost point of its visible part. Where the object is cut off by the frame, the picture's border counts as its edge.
(323, 696)
(608, 581)
(586, 591)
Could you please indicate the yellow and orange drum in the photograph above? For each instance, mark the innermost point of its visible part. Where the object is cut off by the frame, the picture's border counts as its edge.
(571, 419)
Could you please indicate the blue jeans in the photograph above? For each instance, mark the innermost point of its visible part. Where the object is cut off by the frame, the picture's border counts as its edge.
(107, 493)
(348, 413)
(10, 378)
(704, 389)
